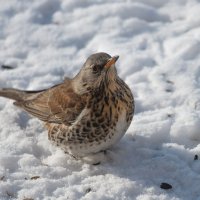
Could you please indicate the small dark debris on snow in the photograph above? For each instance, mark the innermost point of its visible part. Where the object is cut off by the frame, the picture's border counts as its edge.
(169, 115)
(8, 67)
(2, 178)
(35, 177)
(168, 90)
(88, 190)
(98, 163)
(196, 157)
(165, 186)
(170, 82)
(28, 199)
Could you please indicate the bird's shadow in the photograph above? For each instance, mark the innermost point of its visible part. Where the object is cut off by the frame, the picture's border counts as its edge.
(23, 119)
(132, 161)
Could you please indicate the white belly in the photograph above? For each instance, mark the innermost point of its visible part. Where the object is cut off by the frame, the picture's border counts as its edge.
(120, 129)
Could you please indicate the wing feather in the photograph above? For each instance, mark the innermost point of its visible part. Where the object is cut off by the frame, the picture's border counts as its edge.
(58, 104)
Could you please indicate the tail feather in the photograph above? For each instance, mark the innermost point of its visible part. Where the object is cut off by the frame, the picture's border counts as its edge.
(19, 95)
(14, 94)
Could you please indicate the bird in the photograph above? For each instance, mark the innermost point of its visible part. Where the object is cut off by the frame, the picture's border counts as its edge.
(84, 115)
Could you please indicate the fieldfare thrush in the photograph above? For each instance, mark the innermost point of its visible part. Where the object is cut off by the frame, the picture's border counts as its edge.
(84, 115)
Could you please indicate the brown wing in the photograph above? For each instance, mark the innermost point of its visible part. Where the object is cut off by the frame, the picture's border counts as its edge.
(59, 104)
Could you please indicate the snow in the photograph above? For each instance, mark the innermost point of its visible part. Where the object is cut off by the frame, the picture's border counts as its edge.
(158, 43)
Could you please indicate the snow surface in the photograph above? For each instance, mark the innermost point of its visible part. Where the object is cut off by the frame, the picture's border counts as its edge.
(158, 43)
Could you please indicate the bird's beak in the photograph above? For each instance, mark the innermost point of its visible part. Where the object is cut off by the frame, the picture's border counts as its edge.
(111, 61)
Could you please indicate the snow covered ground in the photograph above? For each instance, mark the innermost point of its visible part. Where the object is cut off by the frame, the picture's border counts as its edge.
(159, 46)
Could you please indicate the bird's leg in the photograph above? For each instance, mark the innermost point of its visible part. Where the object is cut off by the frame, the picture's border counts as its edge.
(73, 156)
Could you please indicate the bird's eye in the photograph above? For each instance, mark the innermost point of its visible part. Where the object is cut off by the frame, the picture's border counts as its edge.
(96, 68)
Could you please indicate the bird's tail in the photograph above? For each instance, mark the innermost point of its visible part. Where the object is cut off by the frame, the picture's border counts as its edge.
(17, 95)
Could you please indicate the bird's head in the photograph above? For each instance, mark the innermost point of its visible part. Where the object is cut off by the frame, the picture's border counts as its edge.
(98, 68)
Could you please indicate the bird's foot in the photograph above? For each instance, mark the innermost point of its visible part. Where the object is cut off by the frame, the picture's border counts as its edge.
(73, 156)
